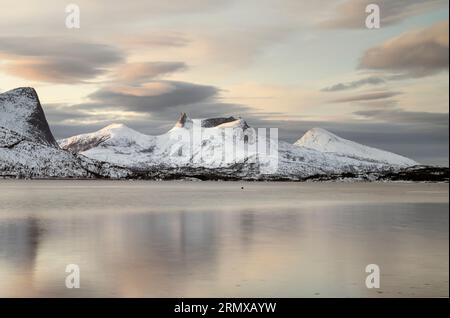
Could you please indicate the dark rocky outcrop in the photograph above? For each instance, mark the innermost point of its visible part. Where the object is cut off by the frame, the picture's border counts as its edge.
(213, 122)
(182, 120)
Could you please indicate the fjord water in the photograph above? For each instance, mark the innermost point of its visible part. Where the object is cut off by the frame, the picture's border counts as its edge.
(217, 239)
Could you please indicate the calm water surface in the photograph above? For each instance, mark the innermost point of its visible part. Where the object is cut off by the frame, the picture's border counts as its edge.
(211, 239)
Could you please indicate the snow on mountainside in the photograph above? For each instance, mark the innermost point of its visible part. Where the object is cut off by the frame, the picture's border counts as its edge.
(119, 133)
(115, 143)
(29, 150)
(21, 112)
(123, 146)
(326, 142)
(210, 148)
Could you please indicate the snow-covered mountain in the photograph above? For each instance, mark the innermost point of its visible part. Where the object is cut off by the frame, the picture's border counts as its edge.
(326, 142)
(210, 148)
(179, 147)
(29, 150)
(318, 152)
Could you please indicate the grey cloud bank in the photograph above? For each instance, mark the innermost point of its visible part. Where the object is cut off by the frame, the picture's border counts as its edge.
(366, 97)
(415, 53)
(56, 60)
(373, 80)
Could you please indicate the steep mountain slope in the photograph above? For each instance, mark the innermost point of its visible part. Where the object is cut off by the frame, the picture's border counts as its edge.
(21, 112)
(29, 150)
(326, 142)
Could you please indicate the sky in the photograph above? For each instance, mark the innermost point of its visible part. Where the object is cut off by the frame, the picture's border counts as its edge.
(290, 64)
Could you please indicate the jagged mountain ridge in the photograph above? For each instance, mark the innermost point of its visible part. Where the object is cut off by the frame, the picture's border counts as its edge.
(122, 145)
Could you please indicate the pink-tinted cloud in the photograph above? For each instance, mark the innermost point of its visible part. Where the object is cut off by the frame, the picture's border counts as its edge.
(415, 53)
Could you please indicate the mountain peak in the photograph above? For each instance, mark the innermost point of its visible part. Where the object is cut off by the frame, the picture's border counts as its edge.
(183, 121)
(324, 141)
(24, 91)
(115, 133)
(318, 130)
(115, 126)
(317, 136)
(117, 130)
(21, 112)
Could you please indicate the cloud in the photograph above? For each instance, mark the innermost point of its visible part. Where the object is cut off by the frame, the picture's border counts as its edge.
(63, 113)
(366, 97)
(163, 95)
(145, 71)
(378, 104)
(69, 120)
(373, 80)
(237, 45)
(100, 15)
(413, 54)
(351, 14)
(403, 116)
(56, 60)
(159, 101)
(234, 45)
(105, 11)
(154, 39)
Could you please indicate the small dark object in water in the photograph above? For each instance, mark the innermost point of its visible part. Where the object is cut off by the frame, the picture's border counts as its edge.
(242, 188)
